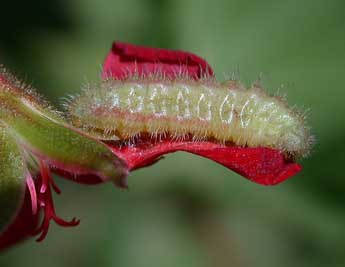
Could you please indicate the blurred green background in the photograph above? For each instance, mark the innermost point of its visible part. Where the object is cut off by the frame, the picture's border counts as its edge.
(185, 210)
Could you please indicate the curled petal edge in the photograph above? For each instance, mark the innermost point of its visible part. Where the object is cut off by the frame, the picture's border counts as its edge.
(125, 60)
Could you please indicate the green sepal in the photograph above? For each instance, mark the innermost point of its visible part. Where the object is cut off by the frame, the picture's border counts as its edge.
(48, 137)
(12, 177)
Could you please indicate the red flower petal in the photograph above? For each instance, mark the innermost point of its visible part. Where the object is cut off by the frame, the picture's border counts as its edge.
(46, 202)
(262, 165)
(22, 227)
(126, 59)
(38, 200)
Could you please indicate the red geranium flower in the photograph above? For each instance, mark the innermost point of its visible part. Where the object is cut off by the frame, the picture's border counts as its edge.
(262, 165)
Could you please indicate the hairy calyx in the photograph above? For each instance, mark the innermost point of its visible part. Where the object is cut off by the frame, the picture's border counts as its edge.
(35, 139)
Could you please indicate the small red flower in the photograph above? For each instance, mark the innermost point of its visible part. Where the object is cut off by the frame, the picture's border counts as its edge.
(262, 165)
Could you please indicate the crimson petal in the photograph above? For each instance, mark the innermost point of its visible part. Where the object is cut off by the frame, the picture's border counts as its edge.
(262, 165)
(127, 59)
(23, 226)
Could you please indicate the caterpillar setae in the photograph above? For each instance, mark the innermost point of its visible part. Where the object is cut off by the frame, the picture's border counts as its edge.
(203, 110)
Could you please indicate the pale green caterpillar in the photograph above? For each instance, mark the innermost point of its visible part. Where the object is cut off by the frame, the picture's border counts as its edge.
(204, 110)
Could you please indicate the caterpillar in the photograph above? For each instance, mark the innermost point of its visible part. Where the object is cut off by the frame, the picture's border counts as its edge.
(224, 112)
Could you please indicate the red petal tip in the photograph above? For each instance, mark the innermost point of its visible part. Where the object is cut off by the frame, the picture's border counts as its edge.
(125, 60)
